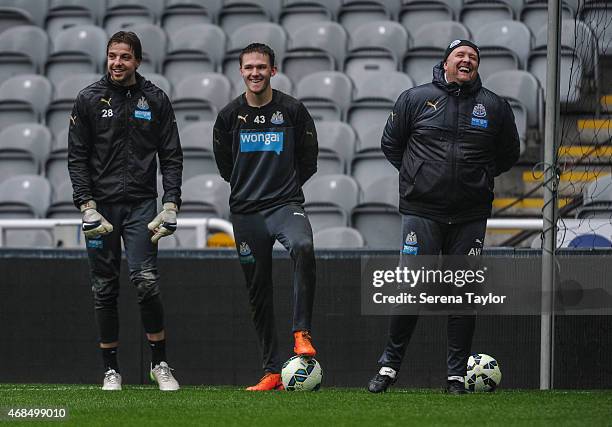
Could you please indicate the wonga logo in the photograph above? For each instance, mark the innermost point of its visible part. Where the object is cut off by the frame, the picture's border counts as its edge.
(261, 141)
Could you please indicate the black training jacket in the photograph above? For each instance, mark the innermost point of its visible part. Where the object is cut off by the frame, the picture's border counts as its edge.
(448, 142)
(114, 137)
(266, 153)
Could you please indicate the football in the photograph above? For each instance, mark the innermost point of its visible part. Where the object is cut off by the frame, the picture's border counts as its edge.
(483, 373)
(301, 373)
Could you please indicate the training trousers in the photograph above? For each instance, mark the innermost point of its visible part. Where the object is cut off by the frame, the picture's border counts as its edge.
(255, 235)
(129, 222)
(427, 237)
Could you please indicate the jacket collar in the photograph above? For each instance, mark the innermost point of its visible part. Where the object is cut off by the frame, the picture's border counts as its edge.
(454, 88)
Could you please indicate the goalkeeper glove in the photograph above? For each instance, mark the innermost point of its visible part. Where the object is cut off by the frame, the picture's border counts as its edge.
(94, 225)
(164, 223)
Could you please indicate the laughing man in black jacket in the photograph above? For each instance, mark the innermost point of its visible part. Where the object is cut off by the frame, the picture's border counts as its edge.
(448, 139)
(118, 126)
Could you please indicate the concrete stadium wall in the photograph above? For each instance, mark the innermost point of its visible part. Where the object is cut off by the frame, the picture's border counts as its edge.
(48, 334)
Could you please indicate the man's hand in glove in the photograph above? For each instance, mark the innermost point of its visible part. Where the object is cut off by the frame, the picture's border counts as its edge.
(164, 223)
(94, 225)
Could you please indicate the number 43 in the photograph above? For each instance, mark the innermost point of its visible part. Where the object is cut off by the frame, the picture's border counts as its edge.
(259, 119)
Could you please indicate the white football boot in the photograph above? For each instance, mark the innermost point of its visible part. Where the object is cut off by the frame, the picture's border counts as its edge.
(162, 375)
(112, 380)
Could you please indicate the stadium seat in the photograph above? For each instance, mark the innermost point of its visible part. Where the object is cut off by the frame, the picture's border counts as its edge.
(122, 15)
(419, 63)
(523, 87)
(56, 165)
(23, 149)
(336, 147)
(329, 199)
(598, 16)
(24, 98)
(326, 94)
(198, 97)
(24, 196)
(370, 166)
(269, 33)
(419, 15)
(23, 50)
(65, 94)
(195, 49)
(22, 12)
(154, 45)
(320, 46)
(438, 35)
(205, 196)
(237, 14)
(297, 13)
(535, 14)
(353, 14)
(180, 14)
(338, 238)
(160, 81)
(375, 95)
(377, 216)
(62, 205)
(474, 13)
(63, 14)
(506, 36)
(375, 46)
(198, 157)
(77, 50)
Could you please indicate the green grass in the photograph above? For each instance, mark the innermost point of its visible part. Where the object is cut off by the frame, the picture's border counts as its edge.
(145, 405)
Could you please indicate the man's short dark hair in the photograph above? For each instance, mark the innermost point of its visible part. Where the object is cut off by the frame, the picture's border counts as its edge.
(129, 38)
(264, 49)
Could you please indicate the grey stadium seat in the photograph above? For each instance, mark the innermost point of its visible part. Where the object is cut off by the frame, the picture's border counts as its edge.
(195, 49)
(24, 98)
(319, 46)
(415, 16)
(59, 110)
(593, 13)
(154, 45)
(419, 63)
(64, 14)
(475, 13)
(21, 12)
(329, 200)
(512, 36)
(371, 166)
(326, 94)
(160, 81)
(338, 238)
(375, 95)
(198, 156)
(353, 14)
(296, 14)
(269, 33)
(122, 15)
(198, 97)
(179, 14)
(205, 195)
(336, 147)
(77, 50)
(23, 50)
(23, 149)
(236, 15)
(56, 166)
(24, 196)
(375, 46)
(439, 35)
(597, 199)
(62, 205)
(535, 14)
(377, 216)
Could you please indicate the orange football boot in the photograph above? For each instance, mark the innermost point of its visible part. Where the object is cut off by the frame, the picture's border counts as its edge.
(303, 344)
(269, 381)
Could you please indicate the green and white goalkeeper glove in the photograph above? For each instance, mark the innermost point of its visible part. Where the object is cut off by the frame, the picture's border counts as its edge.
(164, 223)
(94, 224)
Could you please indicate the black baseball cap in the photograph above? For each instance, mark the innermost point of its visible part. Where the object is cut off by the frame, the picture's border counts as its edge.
(458, 43)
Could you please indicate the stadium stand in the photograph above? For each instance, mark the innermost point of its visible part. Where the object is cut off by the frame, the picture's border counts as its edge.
(329, 200)
(338, 238)
(23, 50)
(24, 148)
(326, 94)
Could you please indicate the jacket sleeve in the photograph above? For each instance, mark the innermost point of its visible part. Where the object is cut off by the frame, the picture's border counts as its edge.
(222, 147)
(307, 146)
(170, 155)
(397, 131)
(508, 149)
(79, 140)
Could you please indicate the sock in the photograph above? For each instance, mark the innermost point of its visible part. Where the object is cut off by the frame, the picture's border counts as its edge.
(109, 355)
(455, 378)
(158, 352)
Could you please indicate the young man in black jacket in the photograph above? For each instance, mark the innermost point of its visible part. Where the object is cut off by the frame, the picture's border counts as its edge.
(117, 128)
(265, 145)
(448, 139)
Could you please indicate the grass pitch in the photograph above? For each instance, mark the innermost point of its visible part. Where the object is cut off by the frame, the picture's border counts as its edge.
(228, 406)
